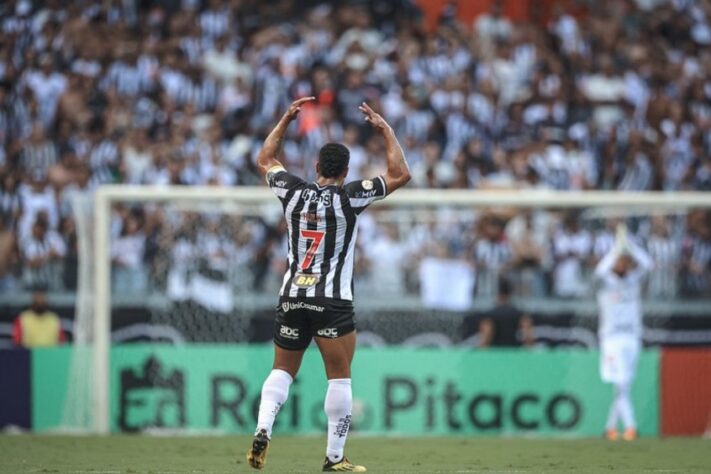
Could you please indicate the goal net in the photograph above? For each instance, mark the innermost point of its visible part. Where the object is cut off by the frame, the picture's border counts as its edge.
(201, 267)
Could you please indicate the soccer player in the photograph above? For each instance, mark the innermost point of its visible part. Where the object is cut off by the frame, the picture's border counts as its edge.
(316, 297)
(619, 275)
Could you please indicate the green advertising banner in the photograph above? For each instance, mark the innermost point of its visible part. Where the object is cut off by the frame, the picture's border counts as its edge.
(215, 388)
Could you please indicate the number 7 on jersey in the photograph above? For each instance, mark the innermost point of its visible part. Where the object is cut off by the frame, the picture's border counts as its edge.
(314, 239)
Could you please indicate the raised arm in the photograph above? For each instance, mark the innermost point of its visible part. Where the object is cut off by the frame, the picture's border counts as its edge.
(268, 156)
(398, 173)
(605, 265)
(640, 256)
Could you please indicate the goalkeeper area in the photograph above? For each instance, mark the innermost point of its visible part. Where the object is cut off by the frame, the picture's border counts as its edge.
(218, 455)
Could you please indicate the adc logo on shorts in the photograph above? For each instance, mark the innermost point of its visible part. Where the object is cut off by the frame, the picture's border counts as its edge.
(289, 333)
(328, 332)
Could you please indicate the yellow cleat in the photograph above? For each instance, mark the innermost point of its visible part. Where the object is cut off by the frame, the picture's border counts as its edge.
(257, 454)
(612, 435)
(630, 434)
(344, 465)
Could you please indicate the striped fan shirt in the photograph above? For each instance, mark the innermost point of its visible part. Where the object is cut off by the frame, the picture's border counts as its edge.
(215, 23)
(39, 157)
(128, 79)
(322, 231)
(102, 159)
(666, 253)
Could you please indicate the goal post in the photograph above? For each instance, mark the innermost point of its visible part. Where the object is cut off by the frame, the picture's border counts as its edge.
(107, 196)
(102, 310)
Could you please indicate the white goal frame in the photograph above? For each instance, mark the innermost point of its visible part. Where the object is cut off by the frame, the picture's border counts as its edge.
(107, 195)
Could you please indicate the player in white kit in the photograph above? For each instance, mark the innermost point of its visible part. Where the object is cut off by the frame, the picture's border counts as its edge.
(619, 276)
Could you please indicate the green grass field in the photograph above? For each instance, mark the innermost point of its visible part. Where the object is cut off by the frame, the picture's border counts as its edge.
(168, 455)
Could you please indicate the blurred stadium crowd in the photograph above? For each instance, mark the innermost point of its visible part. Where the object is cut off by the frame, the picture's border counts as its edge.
(183, 92)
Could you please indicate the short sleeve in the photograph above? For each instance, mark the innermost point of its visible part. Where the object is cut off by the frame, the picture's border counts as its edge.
(281, 181)
(362, 193)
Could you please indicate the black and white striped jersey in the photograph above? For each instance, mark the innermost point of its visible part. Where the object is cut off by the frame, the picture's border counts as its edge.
(322, 231)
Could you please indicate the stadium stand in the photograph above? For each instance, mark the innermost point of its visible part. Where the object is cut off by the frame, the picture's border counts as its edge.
(616, 97)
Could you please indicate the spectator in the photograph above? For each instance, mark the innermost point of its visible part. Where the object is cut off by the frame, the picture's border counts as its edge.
(181, 93)
(47, 84)
(697, 259)
(529, 244)
(505, 325)
(37, 198)
(665, 250)
(127, 252)
(43, 251)
(10, 201)
(224, 65)
(386, 254)
(136, 156)
(493, 26)
(37, 326)
(571, 249)
(217, 257)
(605, 89)
(492, 255)
(8, 255)
(40, 154)
(216, 19)
(182, 260)
(446, 283)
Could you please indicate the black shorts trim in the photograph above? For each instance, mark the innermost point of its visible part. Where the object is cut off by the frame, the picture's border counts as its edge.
(287, 348)
(298, 320)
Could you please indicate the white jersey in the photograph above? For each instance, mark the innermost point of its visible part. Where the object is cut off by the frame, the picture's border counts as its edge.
(619, 297)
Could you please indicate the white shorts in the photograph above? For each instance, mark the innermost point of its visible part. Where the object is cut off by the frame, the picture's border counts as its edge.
(618, 359)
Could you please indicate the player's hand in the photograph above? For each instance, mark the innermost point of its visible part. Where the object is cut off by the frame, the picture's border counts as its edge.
(373, 117)
(621, 240)
(295, 107)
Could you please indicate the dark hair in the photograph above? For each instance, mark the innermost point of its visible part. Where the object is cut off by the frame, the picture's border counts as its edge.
(333, 160)
(504, 287)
